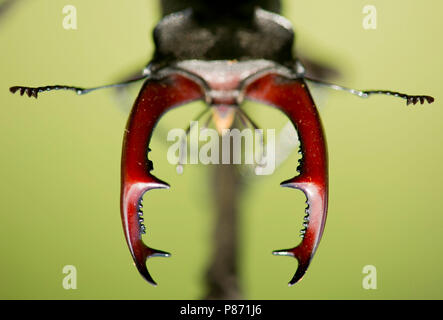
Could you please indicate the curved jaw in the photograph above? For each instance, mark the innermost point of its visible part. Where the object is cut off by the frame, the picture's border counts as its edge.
(314, 221)
(156, 98)
(293, 98)
(133, 223)
(182, 86)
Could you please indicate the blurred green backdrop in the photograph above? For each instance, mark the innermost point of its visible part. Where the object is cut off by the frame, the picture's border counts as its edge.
(60, 161)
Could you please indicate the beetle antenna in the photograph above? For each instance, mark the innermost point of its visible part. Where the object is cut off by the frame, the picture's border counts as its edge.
(34, 91)
(410, 99)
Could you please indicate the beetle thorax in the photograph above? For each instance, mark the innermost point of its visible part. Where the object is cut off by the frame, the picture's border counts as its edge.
(184, 36)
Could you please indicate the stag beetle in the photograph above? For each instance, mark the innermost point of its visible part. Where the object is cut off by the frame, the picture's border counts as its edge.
(224, 52)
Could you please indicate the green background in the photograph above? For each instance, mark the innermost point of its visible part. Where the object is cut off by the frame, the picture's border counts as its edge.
(60, 161)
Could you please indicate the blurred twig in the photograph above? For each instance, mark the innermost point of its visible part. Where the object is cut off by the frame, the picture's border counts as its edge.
(222, 275)
(6, 5)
